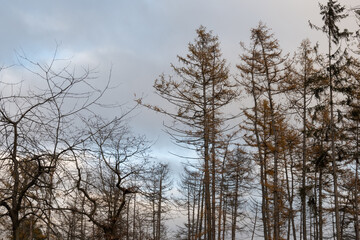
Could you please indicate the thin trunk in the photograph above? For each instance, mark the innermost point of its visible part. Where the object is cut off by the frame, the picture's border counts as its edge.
(202, 214)
(198, 228)
(213, 159)
(188, 212)
(153, 219)
(267, 203)
(260, 156)
(292, 198)
(332, 130)
(82, 227)
(158, 226)
(311, 227)
(290, 192)
(316, 208)
(193, 224)
(301, 219)
(134, 219)
(264, 202)
(206, 139)
(304, 155)
(127, 222)
(343, 218)
(224, 218)
(276, 184)
(221, 199)
(274, 133)
(254, 228)
(357, 233)
(235, 199)
(50, 198)
(213, 194)
(320, 204)
(14, 208)
(333, 225)
(289, 197)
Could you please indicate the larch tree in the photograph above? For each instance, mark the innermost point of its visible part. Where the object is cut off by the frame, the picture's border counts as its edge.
(299, 86)
(201, 92)
(352, 129)
(248, 72)
(263, 71)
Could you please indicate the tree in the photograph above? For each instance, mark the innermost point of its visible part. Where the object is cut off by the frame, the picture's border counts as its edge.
(190, 202)
(238, 176)
(352, 129)
(263, 71)
(332, 13)
(203, 91)
(299, 85)
(158, 185)
(108, 174)
(37, 131)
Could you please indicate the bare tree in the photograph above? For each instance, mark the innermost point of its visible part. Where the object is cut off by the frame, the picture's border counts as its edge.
(158, 184)
(107, 174)
(37, 130)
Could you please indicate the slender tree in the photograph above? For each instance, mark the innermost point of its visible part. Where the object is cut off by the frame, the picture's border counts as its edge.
(264, 70)
(332, 13)
(299, 85)
(158, 185)
(204, 89)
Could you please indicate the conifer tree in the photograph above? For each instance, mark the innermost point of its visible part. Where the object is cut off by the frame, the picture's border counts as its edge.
(299, 86)
(353, 117)
(199, 94)
(332, 13)
(263, 71)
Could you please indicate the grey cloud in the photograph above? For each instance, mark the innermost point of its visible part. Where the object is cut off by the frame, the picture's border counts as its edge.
(140, 38)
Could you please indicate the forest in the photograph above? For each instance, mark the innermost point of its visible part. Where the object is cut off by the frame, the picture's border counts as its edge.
(276, 145)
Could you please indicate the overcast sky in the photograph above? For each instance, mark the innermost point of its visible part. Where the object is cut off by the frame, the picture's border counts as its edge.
(139, 39)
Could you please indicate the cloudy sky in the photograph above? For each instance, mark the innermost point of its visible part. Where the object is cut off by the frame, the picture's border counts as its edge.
(139, 39)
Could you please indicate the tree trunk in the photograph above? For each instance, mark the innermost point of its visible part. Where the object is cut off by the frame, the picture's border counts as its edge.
(189, 226)
(206, 130)
(134, 220)
(357, 233)
(235, 208)
(199, 218)
(304, 155)
(291, 222)
(332, 130)
(213, 127)
(158, 224)
(221, 200)
(15, 228)
(262, 161)
(320, 204)
(202, 214)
